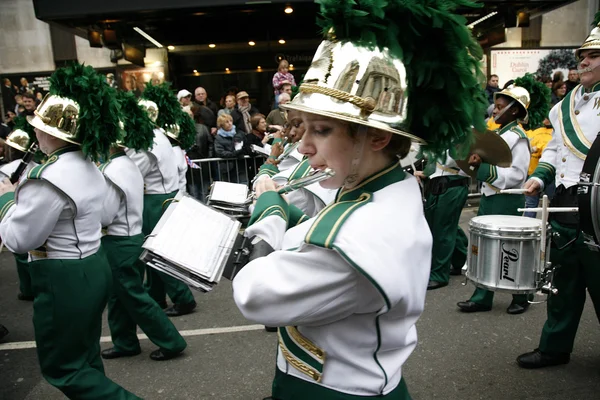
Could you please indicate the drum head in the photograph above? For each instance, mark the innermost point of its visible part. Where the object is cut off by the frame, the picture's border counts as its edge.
(506, 223)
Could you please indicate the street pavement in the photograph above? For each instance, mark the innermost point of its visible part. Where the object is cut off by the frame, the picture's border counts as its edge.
(459, 356)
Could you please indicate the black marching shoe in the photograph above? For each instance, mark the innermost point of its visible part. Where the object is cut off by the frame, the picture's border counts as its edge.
(455, 271)
(164, 355)
(111, 353)
(435, 285)
(539, 359)
(517, 308)
(180, 309)
(270, 328)
(469, 306)
(23, 297)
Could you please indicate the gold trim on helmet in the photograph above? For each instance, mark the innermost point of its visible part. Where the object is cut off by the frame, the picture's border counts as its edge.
(518, 93)
(19, 139)
(592, 42)
(57, 116)
(172, 131)
(150, 107)
(355, 84)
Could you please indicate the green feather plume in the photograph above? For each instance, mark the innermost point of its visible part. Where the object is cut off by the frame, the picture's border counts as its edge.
(540, 97)
(442, 60)
(22, 124)
(187, 130)
(168, 106)
(596, 19)
(99, 110)
(139, 129)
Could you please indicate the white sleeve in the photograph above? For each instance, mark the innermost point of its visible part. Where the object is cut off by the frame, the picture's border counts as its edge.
(270, 229)
(142, 159)
(29, 222)
(516, 174)
(310, 286)
(111, 204)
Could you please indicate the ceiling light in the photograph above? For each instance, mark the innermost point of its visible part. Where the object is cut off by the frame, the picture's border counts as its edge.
(195, 71)
(212, 45)
(251, 43)
(289, 10)
(171, 47)
(281, 41)
(490, 15)
(150, 38)
(259, 67)
(227, 69)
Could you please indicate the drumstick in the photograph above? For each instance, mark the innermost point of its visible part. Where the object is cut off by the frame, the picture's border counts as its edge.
(513, 191)
(551, 209)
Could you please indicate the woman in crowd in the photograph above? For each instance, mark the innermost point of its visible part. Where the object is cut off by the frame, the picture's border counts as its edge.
(559, 90)
(258, 136)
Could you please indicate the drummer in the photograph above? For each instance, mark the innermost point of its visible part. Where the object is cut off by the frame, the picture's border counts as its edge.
(576, 125)
(446, 193)
(511, 106)
(347, 286)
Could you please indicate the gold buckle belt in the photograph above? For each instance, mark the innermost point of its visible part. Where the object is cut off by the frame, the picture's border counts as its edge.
(38, 254)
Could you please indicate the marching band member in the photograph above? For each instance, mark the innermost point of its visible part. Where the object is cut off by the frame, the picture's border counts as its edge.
(576, 125)
(54, 215)
(19, 141)
(130, 304)
(181, 134)
(445, 196)
(161, 183)
(525, 100)
(347, 286)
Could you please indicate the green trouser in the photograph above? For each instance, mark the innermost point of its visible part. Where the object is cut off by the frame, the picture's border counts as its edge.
(70, 296)
(23, 272)
(578, 268)
(158, 283)
(499, 204)
(459, 256)
(288, 387)
(129, 303)
(443, 215)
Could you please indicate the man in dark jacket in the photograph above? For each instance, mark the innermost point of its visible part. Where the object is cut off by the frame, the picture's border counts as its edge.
(242, 113)
(491, 88)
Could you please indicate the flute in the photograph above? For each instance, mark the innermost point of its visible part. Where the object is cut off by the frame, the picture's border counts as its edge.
(14, 178)
(314, 177)
(288, 151)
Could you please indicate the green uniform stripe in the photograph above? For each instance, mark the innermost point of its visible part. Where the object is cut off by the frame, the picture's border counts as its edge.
(487, 173)
(298, 352)
(268, 169)
(7, 200)
(297, 216)
(269, 203)
(546, 172)
(331, 219)
(568, 129)
(36, 172)
(301, 170)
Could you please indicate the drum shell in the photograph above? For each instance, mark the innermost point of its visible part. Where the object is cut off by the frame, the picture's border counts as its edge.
(505, 259)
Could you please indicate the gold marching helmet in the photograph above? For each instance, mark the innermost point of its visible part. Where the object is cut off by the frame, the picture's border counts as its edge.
(19, 139)
(150, 107)
(173, 131)
(592, 42)
(518, 93)
(355, 84)
(57, 116)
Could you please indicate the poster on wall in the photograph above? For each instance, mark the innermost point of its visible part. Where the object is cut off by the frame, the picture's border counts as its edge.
(511, 64)
(135, 79)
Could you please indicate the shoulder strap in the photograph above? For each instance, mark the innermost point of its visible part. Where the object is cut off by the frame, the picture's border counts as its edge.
(36, 172)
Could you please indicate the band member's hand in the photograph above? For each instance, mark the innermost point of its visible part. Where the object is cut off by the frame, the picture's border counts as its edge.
(533, 187)
(6, 187)
(475, 160)
(276, 150)
(279, 133)
(420, 176)
(265, 185)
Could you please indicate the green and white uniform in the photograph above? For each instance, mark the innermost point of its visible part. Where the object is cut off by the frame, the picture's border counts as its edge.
(20, 259)
(181, 167)
(347, 300)
(442, 211)
(161, 183)
(129, 303)
(55, 216)
(495, 179)
(576, 123)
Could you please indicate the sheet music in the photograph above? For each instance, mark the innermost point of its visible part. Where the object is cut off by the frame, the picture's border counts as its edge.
(262, 150)
(231, 193)
(193, 236)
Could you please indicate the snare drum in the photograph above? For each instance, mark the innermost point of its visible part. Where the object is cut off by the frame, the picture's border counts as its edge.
(504, 253)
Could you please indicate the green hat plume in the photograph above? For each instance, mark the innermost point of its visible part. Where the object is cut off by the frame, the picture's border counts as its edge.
(139, 129)
(539, 100)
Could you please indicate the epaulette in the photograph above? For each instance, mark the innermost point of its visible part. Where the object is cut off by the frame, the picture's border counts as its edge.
(326, 227)
(519, 131)
(36, 172)
(302, 170)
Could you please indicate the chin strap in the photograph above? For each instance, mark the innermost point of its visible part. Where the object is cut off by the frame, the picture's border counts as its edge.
(505, 109)
(359, 146)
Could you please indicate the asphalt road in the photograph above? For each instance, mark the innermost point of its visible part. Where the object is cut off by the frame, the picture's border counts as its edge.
(459, 356)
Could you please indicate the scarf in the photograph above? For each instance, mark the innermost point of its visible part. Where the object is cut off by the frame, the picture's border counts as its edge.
(245, 111)
(228, 134)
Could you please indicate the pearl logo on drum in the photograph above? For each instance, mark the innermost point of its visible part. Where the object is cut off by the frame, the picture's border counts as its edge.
(508, 257)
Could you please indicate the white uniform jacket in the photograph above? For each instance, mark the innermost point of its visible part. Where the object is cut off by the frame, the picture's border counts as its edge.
(496, 178)
(181, 167)
(347, 285)
(124, 200)
(449, 168)
(576, 123)
(56, 210)
(158, 166)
